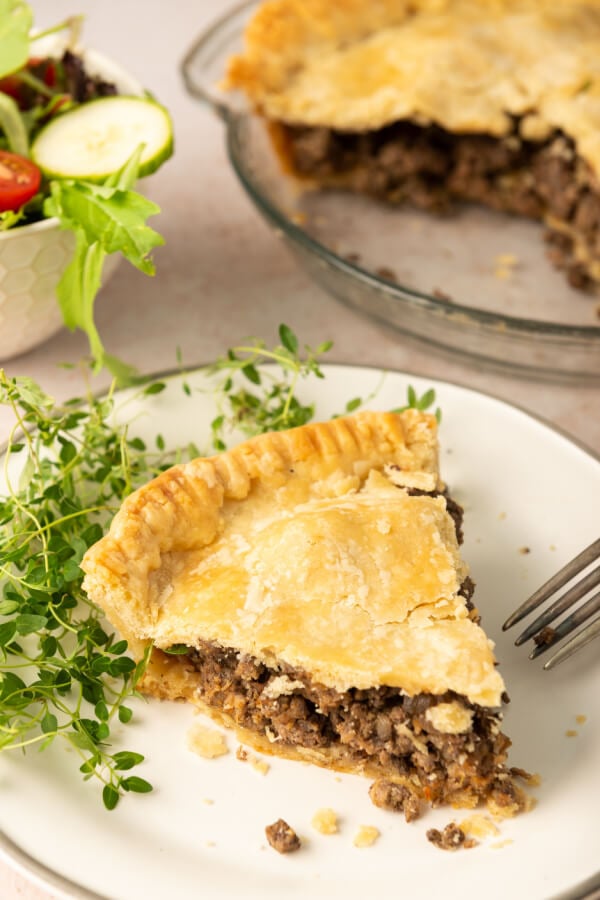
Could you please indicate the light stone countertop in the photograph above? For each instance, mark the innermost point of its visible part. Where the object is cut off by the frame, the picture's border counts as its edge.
(222, 274)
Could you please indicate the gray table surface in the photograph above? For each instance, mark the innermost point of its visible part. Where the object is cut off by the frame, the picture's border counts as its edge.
(222, 274)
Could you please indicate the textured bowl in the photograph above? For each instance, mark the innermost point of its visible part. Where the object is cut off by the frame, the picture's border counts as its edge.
(33, 257)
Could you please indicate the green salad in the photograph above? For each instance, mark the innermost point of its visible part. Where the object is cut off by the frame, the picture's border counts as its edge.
(72, 148)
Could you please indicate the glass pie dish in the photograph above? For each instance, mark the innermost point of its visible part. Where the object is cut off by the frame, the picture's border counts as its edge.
(474, 282)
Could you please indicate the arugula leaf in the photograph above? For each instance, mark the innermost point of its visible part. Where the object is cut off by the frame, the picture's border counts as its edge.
(106, 218)
(78, 287)
(16, 19)
(112, 217)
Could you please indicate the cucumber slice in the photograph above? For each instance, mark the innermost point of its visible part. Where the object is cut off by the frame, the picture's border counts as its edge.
(97, 138)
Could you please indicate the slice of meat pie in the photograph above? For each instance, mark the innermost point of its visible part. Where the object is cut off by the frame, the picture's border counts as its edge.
(430, 101)
(314, 577)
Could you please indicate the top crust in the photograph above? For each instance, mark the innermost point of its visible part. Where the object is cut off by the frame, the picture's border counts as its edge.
(465, 65)
(296, 547)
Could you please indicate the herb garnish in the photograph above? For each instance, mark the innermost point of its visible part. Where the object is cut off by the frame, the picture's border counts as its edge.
(62, 676)
(423, 403)
(273, 404)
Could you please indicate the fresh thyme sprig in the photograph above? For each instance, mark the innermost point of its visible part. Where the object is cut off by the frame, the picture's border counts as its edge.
(423, 403)
(272, 404)
(62, 676)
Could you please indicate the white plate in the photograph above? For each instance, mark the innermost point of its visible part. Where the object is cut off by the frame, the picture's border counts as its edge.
(522, 485)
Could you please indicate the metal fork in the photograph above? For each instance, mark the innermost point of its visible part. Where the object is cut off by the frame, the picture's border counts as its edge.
(546, 636)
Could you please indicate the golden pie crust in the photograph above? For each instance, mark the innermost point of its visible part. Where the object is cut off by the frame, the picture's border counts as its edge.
(465, 65)
(303, 548)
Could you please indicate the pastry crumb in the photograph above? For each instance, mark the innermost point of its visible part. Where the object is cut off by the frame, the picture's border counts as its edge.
(570, 732)
(524, 550)
(206, 742)
(533, 779)
(258, 764)
(502, 516)
(325, 821)
(581, 719)
(499, 844)
(210, 844)
(505, 265)
(506, 259)
(505, 806)
(282, 837)
(207, 801)
(479, 826)
(366, 836)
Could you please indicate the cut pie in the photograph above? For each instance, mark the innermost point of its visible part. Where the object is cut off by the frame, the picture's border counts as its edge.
(430, 101)
(311, 583)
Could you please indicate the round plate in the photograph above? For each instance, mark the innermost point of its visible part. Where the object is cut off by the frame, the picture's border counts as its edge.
(523, 487)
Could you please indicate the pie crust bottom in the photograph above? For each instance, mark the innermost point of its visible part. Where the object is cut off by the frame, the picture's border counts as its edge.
(430, 168)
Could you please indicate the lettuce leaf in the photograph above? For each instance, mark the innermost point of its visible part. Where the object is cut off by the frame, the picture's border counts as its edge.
(109, 217)
(16, 19)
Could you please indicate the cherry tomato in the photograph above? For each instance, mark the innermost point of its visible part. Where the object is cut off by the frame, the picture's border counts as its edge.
(44, 69)
(19, 180)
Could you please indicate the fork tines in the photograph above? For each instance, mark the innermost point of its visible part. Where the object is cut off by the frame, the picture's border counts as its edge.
(546, 636)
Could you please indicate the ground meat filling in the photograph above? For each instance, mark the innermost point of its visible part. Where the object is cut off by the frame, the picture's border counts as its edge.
(282, 837)
(430, 168)
(381, 727)
(451, 838)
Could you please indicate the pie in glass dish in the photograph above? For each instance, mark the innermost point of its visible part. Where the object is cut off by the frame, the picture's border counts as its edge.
(311, 584)
(429, 102)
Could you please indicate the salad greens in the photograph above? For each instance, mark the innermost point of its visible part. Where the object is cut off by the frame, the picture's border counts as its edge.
(16, 20)
(106, 216)
(63, 676)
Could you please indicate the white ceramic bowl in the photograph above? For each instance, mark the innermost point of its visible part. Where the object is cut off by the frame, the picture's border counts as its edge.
(33, 257)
